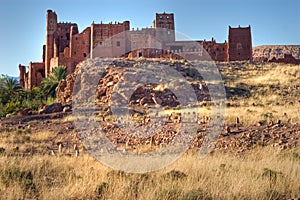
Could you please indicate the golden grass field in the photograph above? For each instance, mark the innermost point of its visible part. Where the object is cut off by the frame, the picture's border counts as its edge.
(261, 173)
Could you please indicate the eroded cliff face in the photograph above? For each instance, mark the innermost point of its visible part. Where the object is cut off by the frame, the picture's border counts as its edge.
(115, 70)
(265, 53)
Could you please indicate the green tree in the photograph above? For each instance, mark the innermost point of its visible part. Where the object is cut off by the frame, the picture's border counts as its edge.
(2, 80)
(50, 83)
(9, 89)
(11, 84)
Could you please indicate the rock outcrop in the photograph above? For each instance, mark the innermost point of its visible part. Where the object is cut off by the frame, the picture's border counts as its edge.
(269, 52)
(53, 108)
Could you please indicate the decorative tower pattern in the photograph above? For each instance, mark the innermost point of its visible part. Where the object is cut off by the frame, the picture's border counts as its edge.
(165, 21)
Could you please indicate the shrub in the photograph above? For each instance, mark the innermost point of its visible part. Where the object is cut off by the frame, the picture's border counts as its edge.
(169, 194)
(101, 189)
(174, 174)
(2, 150)
(275, 195)
(196, 194)
(16, 175)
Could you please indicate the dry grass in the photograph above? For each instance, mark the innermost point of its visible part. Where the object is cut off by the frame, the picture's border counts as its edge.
(261, 174)
(271, 93)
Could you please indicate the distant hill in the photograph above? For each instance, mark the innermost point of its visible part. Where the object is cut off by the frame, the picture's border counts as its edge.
(16, 78)
(277, 51)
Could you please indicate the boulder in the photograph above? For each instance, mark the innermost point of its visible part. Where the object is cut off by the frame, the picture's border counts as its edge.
(53, 108)
(24, 112)
(67, 109)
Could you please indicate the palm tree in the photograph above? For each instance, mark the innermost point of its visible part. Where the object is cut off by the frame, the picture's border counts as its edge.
(2, 80)
(50, 83)
(9, 89)
(11, 84)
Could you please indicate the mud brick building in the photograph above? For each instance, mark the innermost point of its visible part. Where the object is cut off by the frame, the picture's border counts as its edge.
(66, 46)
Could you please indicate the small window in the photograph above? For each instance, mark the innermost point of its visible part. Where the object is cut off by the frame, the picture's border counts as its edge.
(160, 17)
(168, 17)
(84, 54)
(169, 32)
(100, 43)
(118, 43)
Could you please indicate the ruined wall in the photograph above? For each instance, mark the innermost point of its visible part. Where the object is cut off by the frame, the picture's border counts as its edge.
(67, 62)
(288, 58)
(22, 70)
(51, 26)
(240, 44)
(150, 53)
(36, 73)
(217, 51)
(62, 35)
(80, 44)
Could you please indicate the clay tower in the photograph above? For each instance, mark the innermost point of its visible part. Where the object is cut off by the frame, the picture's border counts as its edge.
(165, 21)
(51, 26)
(240, 44)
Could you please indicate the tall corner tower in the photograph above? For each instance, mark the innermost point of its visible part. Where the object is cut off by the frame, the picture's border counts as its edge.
(51, 27)
(240, 44)
(165, 21)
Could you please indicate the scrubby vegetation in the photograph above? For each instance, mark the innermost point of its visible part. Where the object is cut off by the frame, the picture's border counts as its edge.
(14, 98)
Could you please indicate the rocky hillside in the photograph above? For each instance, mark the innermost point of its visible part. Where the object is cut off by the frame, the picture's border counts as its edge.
(270, 51)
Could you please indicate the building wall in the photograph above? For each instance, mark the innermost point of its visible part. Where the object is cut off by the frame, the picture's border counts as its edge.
(101, 43)
(80, 44)
(144, 38)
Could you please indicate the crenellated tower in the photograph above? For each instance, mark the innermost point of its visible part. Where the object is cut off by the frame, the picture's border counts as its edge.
(165, 21)
(240, 44)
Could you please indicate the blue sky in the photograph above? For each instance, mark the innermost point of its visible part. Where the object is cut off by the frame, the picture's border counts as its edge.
(22, 22)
